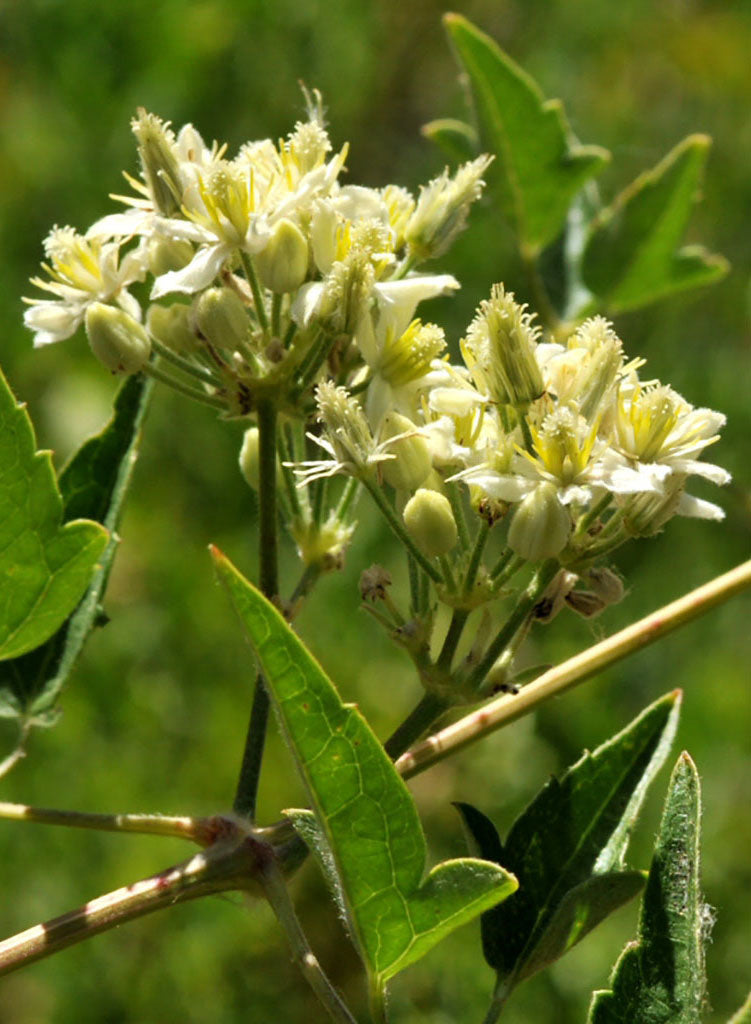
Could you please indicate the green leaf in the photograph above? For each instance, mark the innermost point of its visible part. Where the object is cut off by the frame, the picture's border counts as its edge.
(93, 485)
(538, 168)
(456, 139)
(632, 256)
(370, 834)
(659, 979)
(567, 848)
(45, 566)
(743, 1016)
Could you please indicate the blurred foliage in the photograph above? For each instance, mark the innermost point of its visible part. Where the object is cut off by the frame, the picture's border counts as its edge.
(155, 716)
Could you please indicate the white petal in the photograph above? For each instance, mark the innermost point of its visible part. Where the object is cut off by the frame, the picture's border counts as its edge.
(53, 321)
(306, 303)
(198, 274)
(708, 470)
(399, 299)
(699, 509)
(122, 225)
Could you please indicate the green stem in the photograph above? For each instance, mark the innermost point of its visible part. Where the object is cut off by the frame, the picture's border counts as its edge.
(474, 560)
(515, 621)
(310, 576)
(513, 565)
(501, 564)
(313, 361)
(255, 287)
(151, 370)
(455, 499)
(448, 572)
(500, 995)
(347, 499)
(276, 315)
(593, 514)
(418, 721)
(414, 585)
(400, 530)
(278, 896)
(289, 334)
(451, 640)
(199, 372)
(250, 770)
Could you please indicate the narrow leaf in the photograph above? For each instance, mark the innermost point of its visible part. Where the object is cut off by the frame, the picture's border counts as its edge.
(45, 566)
(538, 168)
(660, 978)
(370, 830)
(632, 256)
(743, 1016)
(93, 486)
(456, 139)
(567, 848)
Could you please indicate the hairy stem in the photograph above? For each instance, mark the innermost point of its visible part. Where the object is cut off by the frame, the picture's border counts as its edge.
(278, 896)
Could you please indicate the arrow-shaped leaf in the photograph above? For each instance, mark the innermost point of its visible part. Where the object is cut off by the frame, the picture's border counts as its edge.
(45, 566)
(93, 486)
(368, 824)
(567, 847)
(632, 256)
(538, 167)
(660, 977)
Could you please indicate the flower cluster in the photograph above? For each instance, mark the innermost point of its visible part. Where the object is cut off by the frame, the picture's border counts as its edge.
(272, 282)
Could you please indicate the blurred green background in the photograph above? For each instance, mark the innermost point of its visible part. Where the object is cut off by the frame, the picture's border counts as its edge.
(156, 715)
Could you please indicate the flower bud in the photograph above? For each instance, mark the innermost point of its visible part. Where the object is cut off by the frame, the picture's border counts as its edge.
(156, 148)
(645, 514)
(430, 522)
(171, 326)
(500, 350)
(249, 458)
(541, 525)
(282, 265)
(219, 316)
(166, 254)
(412, 462)
(116, 339)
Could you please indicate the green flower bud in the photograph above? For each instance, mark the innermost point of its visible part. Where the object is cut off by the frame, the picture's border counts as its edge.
(412, 463)
(167, 254)
(171, 326)
(219, 316)
(541, 525)
(249, 458)
(283, 265)
(430, 522)
(116, 339)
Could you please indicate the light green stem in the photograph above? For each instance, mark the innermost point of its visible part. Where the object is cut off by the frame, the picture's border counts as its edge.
(255, 287)
(400, 530)
(198, 396)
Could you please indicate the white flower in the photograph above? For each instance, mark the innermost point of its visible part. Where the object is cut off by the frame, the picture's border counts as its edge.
(81, 271)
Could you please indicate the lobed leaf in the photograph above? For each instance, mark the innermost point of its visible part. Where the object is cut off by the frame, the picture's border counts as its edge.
(93, 486)
(45, 565)
(659, 979)
(632, 256)
(539, 167)
(567, 848)
(366, 829)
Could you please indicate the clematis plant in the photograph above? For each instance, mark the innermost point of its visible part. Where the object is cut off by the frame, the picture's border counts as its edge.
(263, 286)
